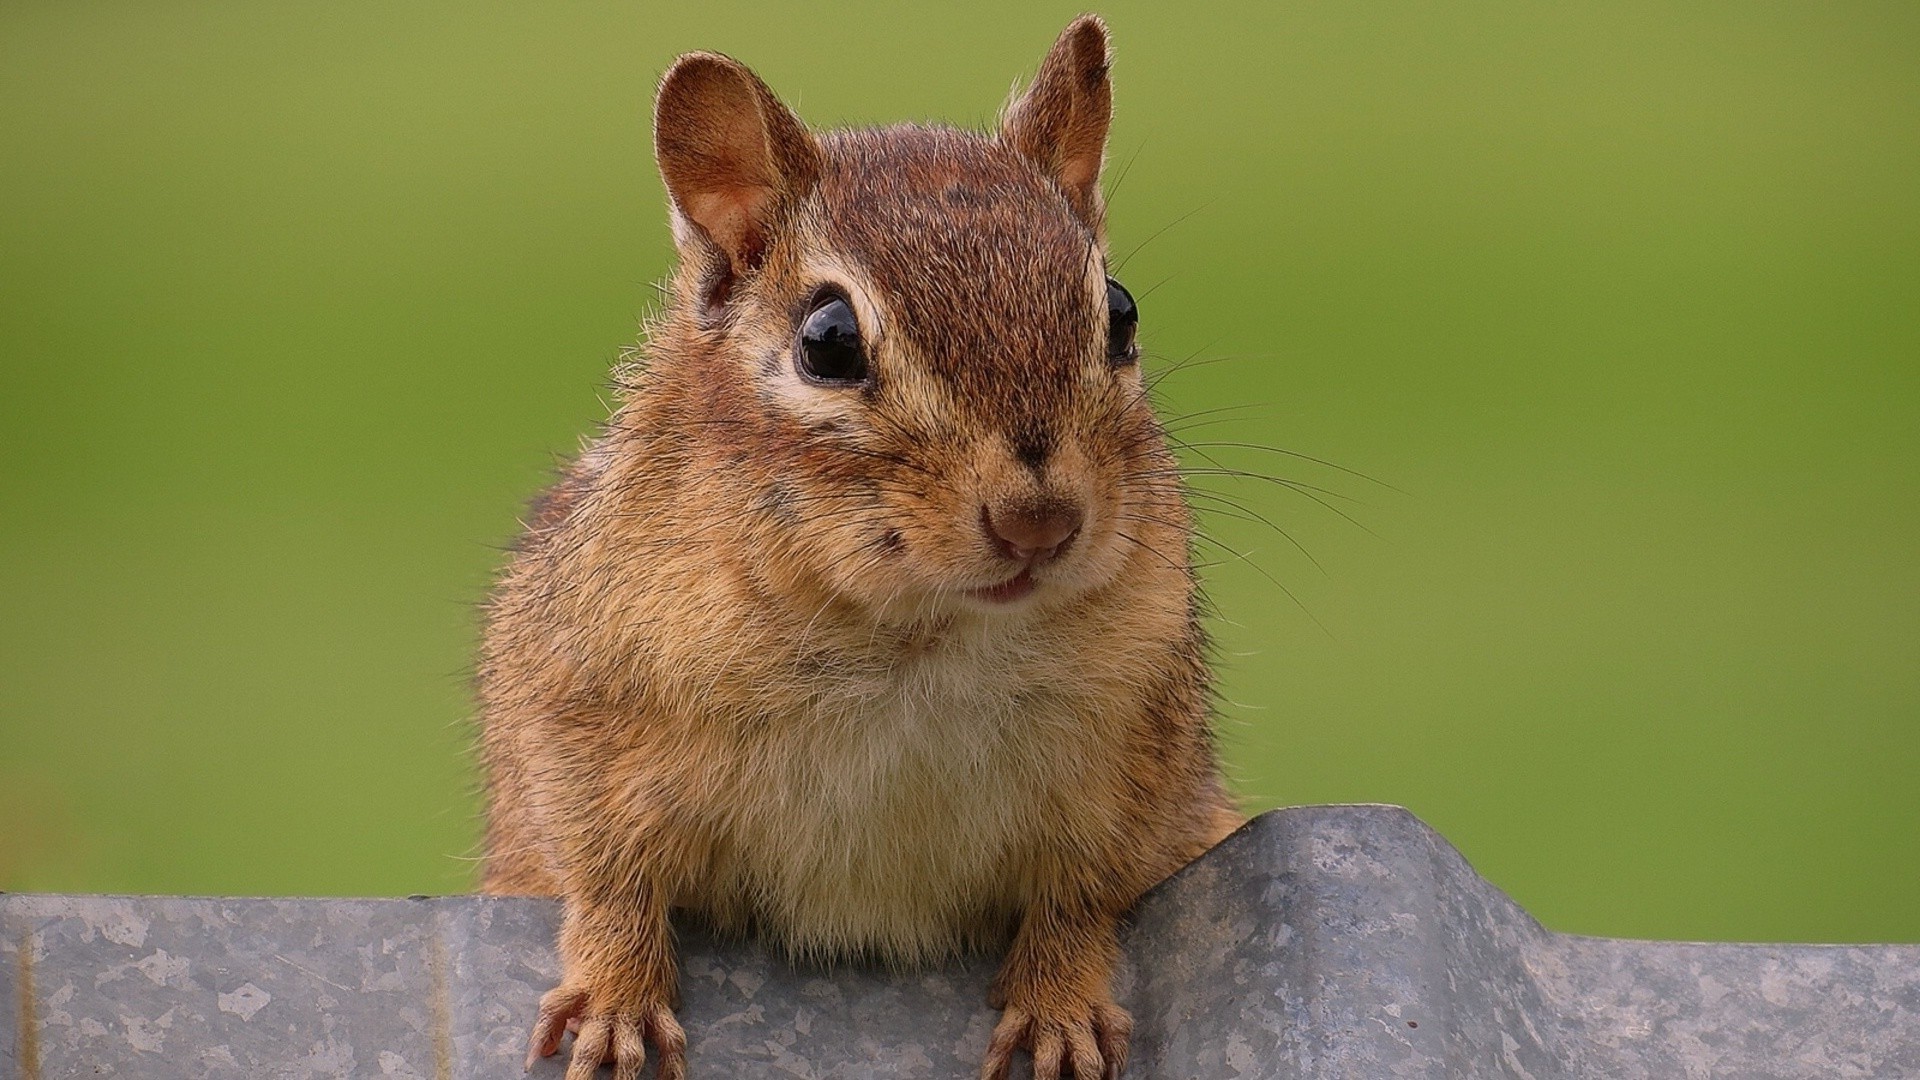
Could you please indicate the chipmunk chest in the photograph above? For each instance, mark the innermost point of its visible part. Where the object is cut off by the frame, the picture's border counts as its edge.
(893, 803)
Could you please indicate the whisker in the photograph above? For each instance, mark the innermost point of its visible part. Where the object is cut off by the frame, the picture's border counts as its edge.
(1258, 569)
(1149, 549)
(1305, 490)
(1303, 457)
(1122, 265)
(1113, 186)
(1151, 289)
(1245, 514)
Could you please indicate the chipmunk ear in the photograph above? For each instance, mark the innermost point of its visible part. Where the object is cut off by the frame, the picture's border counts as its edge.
(733, 157)
(1060, 123)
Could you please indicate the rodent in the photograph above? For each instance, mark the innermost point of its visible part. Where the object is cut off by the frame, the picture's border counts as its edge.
(868, 623)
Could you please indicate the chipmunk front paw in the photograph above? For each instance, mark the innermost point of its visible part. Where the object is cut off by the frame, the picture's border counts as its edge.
(1088, 1037)
(609, 1030)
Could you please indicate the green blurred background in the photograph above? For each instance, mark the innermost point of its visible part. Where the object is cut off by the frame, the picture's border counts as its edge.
(297, 305)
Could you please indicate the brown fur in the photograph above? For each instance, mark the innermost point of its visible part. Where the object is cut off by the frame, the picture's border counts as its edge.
(733, 667)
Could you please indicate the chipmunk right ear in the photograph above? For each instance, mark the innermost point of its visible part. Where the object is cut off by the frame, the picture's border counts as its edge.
(1060, 123)
(733, 157)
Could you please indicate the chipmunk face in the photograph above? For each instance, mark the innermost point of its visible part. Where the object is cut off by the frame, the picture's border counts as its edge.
(935, 372)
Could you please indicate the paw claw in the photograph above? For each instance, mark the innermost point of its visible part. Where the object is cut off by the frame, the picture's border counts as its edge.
(1113, 1028)
(1085, 1055)
(1009, 1035)
(590, 1047)
(1087, 1041)
(1049, 1045)
(605, 1033)
(670, 1040)
(559, 1007)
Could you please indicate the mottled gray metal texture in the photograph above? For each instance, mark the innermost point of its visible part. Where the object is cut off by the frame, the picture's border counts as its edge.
(1346, 941)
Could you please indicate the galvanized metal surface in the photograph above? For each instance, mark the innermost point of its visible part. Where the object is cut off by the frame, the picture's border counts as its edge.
(1343, 941)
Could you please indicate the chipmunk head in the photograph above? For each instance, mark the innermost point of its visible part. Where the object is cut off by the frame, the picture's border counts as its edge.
(904, 344)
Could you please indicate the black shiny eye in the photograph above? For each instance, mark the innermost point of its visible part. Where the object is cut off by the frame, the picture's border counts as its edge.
(829, 349)
(1123, 318)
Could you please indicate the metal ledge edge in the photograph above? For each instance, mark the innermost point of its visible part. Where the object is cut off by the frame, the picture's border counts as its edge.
(1316, 942)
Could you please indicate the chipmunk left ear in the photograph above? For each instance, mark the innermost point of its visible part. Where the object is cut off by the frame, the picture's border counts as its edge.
(1060, 123)
(733, 157)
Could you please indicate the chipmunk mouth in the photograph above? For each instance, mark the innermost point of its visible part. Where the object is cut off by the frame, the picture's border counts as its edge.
(1014, 588)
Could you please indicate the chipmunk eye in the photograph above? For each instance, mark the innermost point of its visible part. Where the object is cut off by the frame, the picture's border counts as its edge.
(829, 348)
(1123, 319)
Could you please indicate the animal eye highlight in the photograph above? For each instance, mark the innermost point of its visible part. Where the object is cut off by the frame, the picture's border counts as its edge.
(828, 348)
(1123, 321)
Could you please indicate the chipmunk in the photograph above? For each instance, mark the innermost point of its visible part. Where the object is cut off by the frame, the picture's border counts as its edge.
(868, 623)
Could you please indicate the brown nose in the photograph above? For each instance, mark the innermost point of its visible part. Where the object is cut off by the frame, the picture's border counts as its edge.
(1032, 532)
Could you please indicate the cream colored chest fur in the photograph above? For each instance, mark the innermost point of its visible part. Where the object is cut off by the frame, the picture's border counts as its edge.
(889, 812)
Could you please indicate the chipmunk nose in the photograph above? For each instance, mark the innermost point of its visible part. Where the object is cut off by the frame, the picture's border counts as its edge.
(1032, 531)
